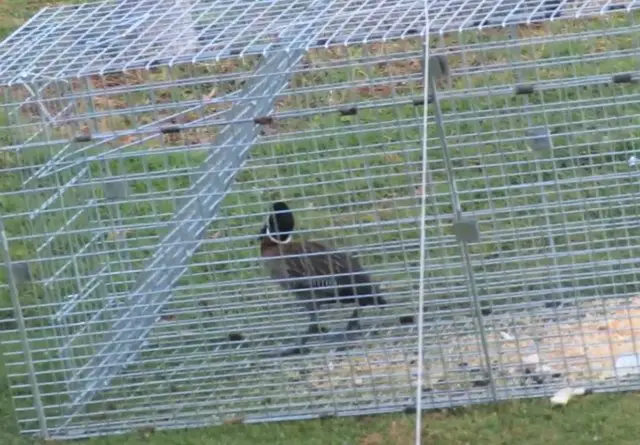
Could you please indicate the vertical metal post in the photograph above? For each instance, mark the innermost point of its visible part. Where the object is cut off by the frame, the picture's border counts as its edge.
(17, 308)
(464, 247)
(423, 230)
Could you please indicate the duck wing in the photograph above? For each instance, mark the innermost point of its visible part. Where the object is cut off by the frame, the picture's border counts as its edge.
(308, 265)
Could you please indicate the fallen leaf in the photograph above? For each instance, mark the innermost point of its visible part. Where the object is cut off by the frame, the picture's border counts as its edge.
(211, 94)
(146, 431)
(233, 420)
(372, 439)
(392, 158)
(562, 397)
(506, 336)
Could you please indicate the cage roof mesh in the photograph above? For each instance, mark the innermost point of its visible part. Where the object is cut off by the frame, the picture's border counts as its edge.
(116, 35)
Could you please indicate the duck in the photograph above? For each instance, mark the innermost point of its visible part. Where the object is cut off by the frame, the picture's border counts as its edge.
(313, 273)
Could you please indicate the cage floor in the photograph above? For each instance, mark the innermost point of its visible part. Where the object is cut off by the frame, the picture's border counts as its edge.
(574, 345)
(531, 353)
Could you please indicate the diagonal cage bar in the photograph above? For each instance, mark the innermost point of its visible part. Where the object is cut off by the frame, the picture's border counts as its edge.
(170, 261)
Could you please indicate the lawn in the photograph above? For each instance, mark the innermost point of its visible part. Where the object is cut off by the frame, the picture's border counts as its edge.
(557, 226)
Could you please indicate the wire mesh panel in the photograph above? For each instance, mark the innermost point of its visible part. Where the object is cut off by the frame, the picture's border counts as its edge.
(148, 142)
(137, 211)
(537, 139)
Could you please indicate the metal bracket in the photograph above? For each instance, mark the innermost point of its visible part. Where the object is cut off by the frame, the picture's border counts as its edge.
(115, 190)
(466, 229)
(539, 139)
(21, 273)
(438, 67)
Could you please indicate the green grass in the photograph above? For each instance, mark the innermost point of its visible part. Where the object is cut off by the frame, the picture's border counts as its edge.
(596, 419)
(341, 178)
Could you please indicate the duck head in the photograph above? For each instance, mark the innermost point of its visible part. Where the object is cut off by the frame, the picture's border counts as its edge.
(279, 225)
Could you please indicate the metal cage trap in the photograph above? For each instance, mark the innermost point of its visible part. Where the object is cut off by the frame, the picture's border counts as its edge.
(145, 141)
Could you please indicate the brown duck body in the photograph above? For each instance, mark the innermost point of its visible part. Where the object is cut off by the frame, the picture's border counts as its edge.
(313, 274)
(316, 275)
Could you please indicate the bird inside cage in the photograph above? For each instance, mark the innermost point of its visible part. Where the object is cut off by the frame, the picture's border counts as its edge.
(315, 275)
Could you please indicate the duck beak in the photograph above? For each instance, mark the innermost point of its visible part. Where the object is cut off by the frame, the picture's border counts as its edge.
(263, 232)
